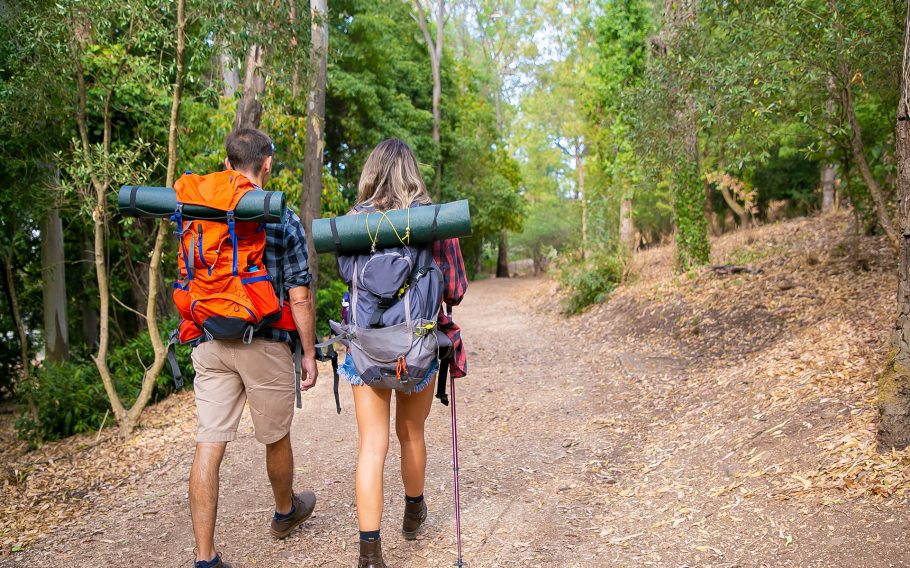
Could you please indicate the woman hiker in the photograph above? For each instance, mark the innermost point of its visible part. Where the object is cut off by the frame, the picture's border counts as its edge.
(391, 180)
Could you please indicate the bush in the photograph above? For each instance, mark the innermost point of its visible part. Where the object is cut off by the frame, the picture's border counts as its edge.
(63, 399)
(591, 281)
(328, 305)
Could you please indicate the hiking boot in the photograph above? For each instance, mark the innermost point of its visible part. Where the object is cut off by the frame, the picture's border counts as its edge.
(303, 504)
(371, 554)
(414, 516)
(220, 564)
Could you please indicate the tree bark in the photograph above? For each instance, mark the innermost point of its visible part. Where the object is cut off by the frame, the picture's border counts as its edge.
(859, 156)
(626, 227)
(53, 287)
(829, 189)
(434, 48)
(894, 382)
(90, 320)
(249, 109)
(502, 261)
(230, 80)
(311, 196)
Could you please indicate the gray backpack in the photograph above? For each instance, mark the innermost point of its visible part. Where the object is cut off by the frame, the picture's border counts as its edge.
(392, 334)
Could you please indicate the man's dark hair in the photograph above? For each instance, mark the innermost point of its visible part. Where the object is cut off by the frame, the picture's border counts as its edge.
(247, 149)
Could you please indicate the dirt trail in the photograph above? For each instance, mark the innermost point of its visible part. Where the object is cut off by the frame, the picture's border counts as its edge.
(578, 448)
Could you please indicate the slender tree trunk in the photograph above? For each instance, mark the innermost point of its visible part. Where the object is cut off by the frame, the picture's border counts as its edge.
(249, 109)
(829, 169)
(53, 286)
(626, 227)
(502, 261)
(151, 309)
(311, 196)
(17, 314)
(434, 48)
(583, 194)
(90, 320)
(829, 188)
(230, 80)
(295, 72)
(894, 383)
(859, 156)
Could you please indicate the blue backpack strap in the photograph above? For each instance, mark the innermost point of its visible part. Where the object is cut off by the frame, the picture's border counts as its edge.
(233, 234)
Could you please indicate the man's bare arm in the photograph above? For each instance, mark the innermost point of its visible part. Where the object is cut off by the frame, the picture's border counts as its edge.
(304, 311)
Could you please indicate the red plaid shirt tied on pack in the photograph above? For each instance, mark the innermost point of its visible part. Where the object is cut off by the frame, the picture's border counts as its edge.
(455, 279)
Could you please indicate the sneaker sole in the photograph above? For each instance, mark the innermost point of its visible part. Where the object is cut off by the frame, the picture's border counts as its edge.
(283, 534)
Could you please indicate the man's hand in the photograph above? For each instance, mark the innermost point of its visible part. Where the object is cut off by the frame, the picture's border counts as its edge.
(310, 373)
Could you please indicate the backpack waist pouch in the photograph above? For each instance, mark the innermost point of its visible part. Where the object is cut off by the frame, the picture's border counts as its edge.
(394, 357)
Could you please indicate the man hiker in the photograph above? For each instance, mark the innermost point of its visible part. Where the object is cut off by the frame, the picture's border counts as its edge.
(257, 368)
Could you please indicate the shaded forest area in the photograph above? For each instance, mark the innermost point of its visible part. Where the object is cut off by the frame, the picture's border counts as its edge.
(581, 133)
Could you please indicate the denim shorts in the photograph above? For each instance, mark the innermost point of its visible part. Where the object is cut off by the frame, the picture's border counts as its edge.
(347, 371)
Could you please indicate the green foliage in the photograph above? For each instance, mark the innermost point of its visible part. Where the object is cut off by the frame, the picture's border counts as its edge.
(692, 246)
(550, 227)
(328, 304)
(63, 399)
(591, 281)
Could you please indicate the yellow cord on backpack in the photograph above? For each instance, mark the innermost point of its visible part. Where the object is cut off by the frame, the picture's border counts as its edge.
(405, 241)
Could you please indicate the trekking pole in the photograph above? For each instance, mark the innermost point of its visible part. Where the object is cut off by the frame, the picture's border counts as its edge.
(455, 470)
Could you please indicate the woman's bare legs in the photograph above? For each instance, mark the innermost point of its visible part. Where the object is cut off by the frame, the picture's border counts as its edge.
(372, 409)
(411, 411)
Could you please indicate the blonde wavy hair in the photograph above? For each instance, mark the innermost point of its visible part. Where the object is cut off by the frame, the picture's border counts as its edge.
(391, 178)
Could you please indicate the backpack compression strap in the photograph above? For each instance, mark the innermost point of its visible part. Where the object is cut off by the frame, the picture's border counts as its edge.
(172, 359)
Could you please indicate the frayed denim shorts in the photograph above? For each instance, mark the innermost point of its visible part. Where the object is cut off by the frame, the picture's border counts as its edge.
(347, 371)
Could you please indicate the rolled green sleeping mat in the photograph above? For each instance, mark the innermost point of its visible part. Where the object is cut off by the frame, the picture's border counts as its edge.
(159, 202)
(355, 233)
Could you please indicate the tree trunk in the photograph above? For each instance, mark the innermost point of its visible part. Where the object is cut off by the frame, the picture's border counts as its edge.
(53, 286)
(626, 227)
(151, 309)
(859, 156)
(311, 196)
(829, 169)
(89, 310)
(829, 189)
(580, 173)
(434, 48)
(249, 109)
(502, 261)
(229, 78)
(894, 382)
(17, 314)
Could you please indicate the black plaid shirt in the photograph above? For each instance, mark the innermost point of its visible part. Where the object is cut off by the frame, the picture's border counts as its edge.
(286, 261)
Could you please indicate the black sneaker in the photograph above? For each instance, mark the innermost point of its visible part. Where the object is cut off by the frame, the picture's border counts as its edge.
(303, 504)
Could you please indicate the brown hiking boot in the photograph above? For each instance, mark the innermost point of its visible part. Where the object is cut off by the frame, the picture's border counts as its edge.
(414, 516)
(371, 554)
(303, 504)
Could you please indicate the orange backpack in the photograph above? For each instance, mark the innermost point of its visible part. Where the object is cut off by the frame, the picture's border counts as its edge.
(224, 290)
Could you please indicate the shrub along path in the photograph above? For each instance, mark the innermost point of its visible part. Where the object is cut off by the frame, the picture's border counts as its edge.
(707, 420)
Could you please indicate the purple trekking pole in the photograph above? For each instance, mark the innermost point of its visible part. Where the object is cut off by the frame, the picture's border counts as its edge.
(444, 399)
(455, 470)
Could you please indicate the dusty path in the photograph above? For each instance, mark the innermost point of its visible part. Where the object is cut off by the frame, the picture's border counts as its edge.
(579, 448)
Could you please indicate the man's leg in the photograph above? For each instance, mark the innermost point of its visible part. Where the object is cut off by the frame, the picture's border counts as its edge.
(204, 496)
(279, 461)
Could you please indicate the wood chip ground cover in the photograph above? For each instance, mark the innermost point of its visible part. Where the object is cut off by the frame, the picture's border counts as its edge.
(706, 419)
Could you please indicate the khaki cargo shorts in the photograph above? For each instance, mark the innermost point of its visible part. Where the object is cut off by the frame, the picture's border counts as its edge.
(229, 373)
